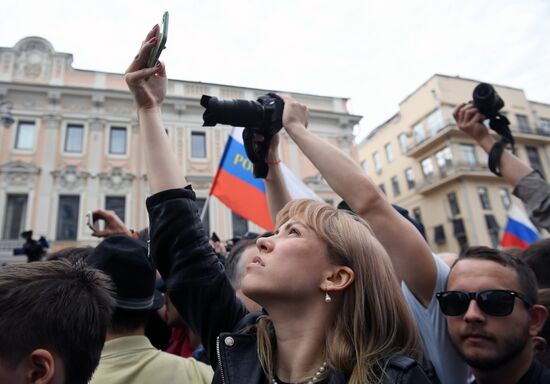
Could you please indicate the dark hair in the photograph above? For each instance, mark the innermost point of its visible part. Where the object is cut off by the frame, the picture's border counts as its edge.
(124, 320)
(526, 277)
(537, 256)
(72, 254)
(232, 269)
(55, 305)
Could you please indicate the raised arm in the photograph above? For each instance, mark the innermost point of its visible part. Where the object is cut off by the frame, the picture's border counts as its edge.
(276, 189)
(179, 245)
(148, 85)
(470, 121)
(409, 252)
(528, 184)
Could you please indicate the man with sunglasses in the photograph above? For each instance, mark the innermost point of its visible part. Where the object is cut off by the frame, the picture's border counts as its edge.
(492, 314)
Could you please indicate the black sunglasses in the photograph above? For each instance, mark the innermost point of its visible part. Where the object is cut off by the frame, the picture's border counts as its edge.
(494, 302)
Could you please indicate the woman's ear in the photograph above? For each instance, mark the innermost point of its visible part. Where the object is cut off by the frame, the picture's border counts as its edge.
(41, 367)
(339, 278)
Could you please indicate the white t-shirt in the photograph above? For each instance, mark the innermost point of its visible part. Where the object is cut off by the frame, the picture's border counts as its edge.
(449, 366)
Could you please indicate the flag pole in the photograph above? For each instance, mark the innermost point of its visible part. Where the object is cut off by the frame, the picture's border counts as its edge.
(205, 207)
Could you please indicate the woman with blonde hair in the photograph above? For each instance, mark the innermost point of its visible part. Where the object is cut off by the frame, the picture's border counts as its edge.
(333, 310)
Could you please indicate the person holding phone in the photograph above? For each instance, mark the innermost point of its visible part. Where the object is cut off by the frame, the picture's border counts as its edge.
(333, 310)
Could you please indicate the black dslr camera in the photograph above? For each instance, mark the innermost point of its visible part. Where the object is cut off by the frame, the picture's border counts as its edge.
(261, 120)
(487, 100)
(489, 103)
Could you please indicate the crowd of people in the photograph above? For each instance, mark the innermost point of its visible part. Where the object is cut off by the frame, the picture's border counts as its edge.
(332, 296)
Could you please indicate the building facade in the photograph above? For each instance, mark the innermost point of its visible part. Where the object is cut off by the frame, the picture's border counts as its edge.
(423, 162)
(74, 145)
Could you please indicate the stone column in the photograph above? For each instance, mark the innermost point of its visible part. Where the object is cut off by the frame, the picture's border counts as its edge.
(95, 155)
(52, 129)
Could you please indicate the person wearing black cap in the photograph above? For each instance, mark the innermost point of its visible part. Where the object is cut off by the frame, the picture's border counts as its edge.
(128, 356)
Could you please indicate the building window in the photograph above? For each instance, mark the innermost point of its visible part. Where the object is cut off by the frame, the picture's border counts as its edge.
(24, 138)
(74, 138)
(468, 153)
(409, 175)
(365, 167)
(117, 141)
(395, 186)
(116, 204)
(427, 167)
(382, 188)
(389, 152)
(534, 159)
(403, 143)
(206, 221)
(453, 203)
(492, 229)
(439, 234)
(419, 134)
(545, 125)
(523, 123)
(67, 217)
(444, 159)
(435, 121)
(377, 162)
(198, 145)
(460, 234)
(14, 216)
(484, 197)
(240, 225)
(505, 197)
(417, 214)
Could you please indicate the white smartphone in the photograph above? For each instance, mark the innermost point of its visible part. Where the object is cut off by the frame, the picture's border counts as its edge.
(90, 221)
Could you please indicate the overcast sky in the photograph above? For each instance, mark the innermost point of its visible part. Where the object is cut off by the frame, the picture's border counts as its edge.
(374, 52)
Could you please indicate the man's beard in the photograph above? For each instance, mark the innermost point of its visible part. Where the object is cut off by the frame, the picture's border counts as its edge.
(511, 348)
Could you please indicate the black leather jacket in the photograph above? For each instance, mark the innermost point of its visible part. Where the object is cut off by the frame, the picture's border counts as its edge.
(199, 289)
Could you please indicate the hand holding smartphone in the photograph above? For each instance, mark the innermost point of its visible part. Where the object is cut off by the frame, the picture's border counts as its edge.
(161, 42)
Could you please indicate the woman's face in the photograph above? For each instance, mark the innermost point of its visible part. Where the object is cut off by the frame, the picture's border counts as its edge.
(291, 265)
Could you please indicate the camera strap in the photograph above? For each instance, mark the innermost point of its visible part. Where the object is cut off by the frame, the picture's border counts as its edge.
(501, 125)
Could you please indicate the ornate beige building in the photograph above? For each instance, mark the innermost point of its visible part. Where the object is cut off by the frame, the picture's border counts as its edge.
(74, 145)
(425, 164)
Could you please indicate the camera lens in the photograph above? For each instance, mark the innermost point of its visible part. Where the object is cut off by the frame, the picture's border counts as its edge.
(487, 100)
(238, 113)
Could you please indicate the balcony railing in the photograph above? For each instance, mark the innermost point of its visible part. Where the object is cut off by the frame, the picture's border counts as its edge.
(450, 172)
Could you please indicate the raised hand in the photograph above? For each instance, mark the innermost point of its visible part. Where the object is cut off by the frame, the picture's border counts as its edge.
(148, 85)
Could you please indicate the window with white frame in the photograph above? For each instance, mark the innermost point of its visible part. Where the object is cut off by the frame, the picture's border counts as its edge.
(523, 123)
(435, 121)
(117, 141)
(427, 167)
(403, 142)
(74, 138)
(444, 159)
(240, 224)
(67, 217)
(505, 197)
(409, 175)
(389, 152)
(14, 216)
(545, 125)
(419, 133)
(24, 137)
(468, 153)
(116, 204)
(395, 186)
(484, 197)
(377, 162)
(198, 145)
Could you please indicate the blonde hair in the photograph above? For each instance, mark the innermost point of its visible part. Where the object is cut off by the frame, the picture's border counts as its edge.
(373, 321)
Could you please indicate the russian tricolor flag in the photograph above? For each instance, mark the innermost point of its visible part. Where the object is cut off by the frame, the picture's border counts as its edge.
(519, 231)
(235, 185)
